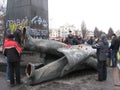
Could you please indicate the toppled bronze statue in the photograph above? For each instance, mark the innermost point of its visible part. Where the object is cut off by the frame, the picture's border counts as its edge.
(63, 59)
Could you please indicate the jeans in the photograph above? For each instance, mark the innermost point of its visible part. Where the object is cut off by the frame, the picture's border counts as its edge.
(7, 69)
(114, 58)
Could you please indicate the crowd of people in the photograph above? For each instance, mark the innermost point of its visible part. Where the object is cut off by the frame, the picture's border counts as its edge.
(74, 40)
(77, 39)
(12, 49)
(104, 49)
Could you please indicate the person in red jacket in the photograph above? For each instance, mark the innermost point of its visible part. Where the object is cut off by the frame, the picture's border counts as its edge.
(12, 51)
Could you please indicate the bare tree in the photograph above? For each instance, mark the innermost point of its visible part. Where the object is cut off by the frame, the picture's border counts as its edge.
(84, 30)
(3, 7)
(96, 32)
(110, 32)
(2, 15)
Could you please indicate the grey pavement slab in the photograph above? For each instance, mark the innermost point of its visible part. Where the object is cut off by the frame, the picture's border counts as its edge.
(80, 80)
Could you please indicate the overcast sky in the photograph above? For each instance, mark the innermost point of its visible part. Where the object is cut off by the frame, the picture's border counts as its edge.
(95, 13)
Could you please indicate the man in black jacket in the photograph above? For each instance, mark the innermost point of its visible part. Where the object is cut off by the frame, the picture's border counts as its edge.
(69, 39)
(12, 51)
(115, 47)
(18, 34)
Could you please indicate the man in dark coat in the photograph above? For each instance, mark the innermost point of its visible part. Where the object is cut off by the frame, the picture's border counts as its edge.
(18, 34)
(69, 39)
(12, 51)
(101, 47)
(115, 47)
(80, 39)
(90, 41)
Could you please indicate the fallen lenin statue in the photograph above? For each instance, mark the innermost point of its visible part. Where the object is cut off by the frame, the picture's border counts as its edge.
(62, 58)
